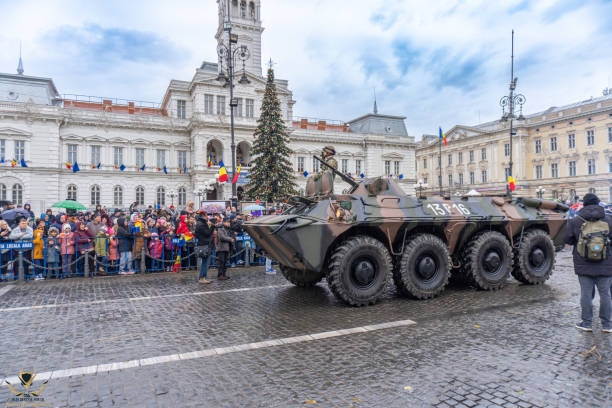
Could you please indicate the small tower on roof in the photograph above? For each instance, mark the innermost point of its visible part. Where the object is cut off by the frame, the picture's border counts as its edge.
(20, 65)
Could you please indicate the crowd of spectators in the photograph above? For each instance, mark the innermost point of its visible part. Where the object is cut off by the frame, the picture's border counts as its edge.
(114, 240)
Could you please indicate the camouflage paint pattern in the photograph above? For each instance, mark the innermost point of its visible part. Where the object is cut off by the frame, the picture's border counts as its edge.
(304, 237)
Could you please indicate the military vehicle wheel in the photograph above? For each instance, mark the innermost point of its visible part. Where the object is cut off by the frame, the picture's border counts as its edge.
(358, 271)
(534, 257)
(301, 278)
(487, 260)
(424, 268)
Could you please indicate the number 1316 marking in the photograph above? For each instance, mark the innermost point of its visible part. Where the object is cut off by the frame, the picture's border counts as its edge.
(446, 209)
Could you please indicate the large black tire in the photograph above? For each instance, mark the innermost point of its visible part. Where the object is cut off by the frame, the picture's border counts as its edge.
(487, 260)
(424, 268)
(359, 270)
(534, 257)
(301, 278)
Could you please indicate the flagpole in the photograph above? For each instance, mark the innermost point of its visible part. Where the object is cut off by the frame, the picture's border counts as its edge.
(440, 165)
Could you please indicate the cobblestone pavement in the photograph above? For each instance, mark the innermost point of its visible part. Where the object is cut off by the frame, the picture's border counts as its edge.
(163, 340)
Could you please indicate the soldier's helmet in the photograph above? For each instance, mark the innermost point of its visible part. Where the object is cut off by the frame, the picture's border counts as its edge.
(329, 150)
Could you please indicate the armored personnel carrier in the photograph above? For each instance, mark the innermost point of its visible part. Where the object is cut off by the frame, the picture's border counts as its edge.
(361, 238)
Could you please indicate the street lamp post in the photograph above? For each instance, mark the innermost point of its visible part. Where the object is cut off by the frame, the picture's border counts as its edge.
(540, 192)
(229, 56)
(202, 191)
(511, 101)
(172, 194)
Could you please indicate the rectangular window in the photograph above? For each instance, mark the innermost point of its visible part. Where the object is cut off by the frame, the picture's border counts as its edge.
(181, 109)
(19, 150)
(140, 153)
(554, 170)
(553, 144)
(161, 158)
(450, 180)
(396, 168)
(460, 157)
(610, 135)
(460, 178)
(571, 168)
(472, 178)
(181, 158)
(610, 165)
(471, 156)
(220, 105)
(344, 165)
(117, 156)
(538, 146)
(2, 149)
(450, 159)
(95, 155)
(590, 137)
(208, 104)
(250, 108)
(538, 171)
(483, 154)
(315, 165)
(238, 111)
(387, 167)
(300, 164)
(507, 149)
(424, 163)
(72, 153)
(358, 167)
(424, 180)
(483, 176)
(591, 166)
(571, 141)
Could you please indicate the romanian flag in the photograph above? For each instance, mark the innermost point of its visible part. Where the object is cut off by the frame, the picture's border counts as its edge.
(511, 183)
(176, 268)
(222, 173)
(237, 174)
(13, 163)
(68, 165)
(209, 163)
(443, 136)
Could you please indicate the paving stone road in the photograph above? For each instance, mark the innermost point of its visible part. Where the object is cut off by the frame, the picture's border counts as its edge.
(163, 340)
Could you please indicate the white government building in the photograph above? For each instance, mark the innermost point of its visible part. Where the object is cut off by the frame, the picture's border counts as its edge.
(163, 148)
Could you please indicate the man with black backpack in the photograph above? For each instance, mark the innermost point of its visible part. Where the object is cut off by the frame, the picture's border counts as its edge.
(589, 232)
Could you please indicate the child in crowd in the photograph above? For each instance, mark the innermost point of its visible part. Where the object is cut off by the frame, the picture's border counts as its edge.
(113, 253)
(101, 248)
(170, 248)
(67, 249)
(38, 253)
(155, 250)
(53, 253)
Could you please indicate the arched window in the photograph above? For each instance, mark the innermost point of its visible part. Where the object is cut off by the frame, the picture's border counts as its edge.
(95, 195)
(71, 192)
(2, 192)
(243, 9)
(160, 196)
(17, 194)
(182, 196)
(139, 195)
(118, 196)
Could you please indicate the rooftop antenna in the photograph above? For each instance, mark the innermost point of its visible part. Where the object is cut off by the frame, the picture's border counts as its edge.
(375, 107)
(20, 66)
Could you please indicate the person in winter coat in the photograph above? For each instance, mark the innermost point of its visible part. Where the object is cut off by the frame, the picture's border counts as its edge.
(140, 234)
(38, 252)
(84, 244)
(591, 273)
(124, 246)
(53, 253)
(67, 242)
(225, 238)
(204, 234)
(156, 249)
(113, 252)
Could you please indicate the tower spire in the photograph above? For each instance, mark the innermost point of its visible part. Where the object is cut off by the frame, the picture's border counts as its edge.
(20, 65)
(375, 107)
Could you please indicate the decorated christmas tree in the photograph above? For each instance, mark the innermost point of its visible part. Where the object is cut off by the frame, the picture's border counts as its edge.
(271, 174)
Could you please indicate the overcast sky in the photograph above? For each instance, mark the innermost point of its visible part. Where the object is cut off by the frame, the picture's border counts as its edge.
(439, 63)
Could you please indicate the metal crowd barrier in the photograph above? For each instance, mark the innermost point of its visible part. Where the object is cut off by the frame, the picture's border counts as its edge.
(16, 261)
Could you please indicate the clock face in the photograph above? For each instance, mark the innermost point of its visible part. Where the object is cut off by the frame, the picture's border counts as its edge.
(388, 129)
(12, 95)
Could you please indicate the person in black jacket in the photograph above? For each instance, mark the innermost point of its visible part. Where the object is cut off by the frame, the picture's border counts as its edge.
(204, 233)
(124, 246)
(591, 274)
